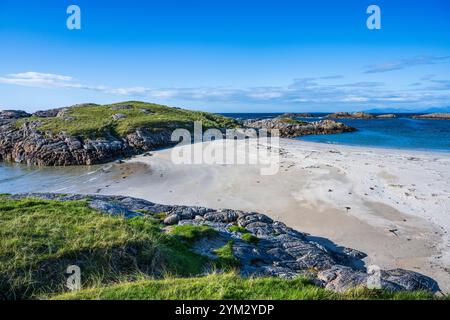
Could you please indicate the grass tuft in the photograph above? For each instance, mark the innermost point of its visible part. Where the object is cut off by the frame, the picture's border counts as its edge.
(250, 238)
(238, 229)
(191, 233)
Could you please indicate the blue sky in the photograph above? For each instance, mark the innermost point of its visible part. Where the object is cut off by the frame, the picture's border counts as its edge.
(226, 56)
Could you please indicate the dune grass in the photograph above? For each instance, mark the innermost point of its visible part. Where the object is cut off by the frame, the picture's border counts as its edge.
(94, 121)
(229, 286)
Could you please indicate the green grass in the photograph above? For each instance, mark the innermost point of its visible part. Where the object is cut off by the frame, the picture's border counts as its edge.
(128, 259)
(190, 233)
(250, 238)
(92, 121)
(40, 239)
(225, 257)
(229, 286)
(238, 229)
(245, 234)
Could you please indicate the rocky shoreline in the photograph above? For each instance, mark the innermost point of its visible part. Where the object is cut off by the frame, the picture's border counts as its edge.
(28, 144)
(279, 250)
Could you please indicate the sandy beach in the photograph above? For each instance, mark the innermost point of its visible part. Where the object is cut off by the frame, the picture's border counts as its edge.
(393, 205)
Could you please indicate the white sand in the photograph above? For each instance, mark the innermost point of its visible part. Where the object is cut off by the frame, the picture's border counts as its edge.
(399, 200)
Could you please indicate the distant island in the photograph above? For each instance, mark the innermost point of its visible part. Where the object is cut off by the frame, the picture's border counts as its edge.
(437, 116)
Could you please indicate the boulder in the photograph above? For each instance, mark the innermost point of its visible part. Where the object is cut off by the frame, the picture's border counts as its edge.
(118, 116)
(51, 113)
(172, 219)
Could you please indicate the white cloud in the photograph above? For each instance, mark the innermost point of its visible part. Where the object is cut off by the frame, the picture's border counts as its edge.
(301, 91)
(37, 79)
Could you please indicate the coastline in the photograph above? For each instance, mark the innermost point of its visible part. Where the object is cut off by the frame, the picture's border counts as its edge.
(402, 223)
(399, 199)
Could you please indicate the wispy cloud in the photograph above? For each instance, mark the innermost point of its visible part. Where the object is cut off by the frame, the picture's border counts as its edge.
(319, 90)
(45, 80)
(406, 63)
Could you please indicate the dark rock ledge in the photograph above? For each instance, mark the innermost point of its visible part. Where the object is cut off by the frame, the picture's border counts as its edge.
(30, 146)
(280, 251)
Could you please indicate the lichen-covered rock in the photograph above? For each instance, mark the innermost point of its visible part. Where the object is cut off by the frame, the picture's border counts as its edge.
(279, 251)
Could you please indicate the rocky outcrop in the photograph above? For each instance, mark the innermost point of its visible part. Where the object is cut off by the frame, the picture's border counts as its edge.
(48, 113)
(291, 128)
(436, 116)
(30, 146)
(279, 250)
(346, 115)
(13, 114)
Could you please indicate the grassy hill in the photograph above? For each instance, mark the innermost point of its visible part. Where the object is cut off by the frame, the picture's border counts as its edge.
(119, 119)
(137, 258)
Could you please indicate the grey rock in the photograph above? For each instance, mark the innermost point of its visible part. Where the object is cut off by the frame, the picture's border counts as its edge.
(47, 113)
(225, 216)
(118, 116)
(112, 208)
(172, 219)
(122, 107)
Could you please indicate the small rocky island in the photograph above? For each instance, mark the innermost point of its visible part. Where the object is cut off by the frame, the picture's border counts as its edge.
(359, 115)
(89, 134)
(435, 116)
(290, 128)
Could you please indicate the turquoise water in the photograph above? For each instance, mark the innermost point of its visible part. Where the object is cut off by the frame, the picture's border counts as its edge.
(399, 133)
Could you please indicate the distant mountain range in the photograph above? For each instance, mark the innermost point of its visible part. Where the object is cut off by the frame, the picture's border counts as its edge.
(394, 110)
